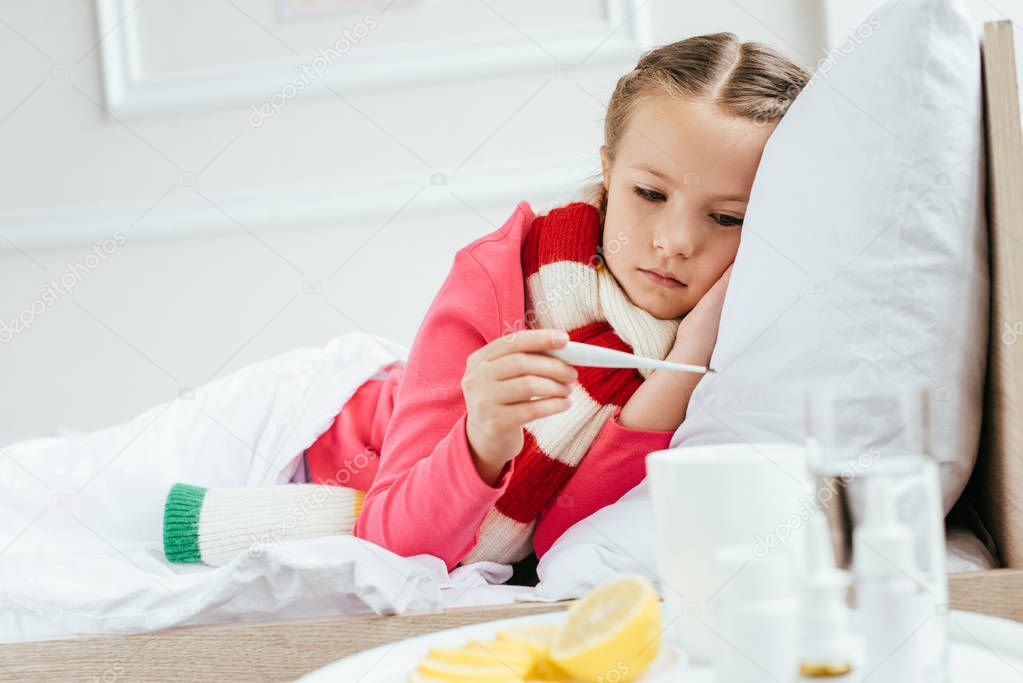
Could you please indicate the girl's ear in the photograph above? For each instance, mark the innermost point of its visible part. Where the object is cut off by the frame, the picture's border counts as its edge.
(605, 167)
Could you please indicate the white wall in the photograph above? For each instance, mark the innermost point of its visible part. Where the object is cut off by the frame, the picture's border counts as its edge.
(330, 222)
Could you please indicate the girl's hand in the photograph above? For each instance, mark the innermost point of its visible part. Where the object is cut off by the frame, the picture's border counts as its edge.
(500, 380)
(698, 332)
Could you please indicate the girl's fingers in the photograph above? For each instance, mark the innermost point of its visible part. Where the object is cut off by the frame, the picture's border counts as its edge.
(527, 411)
(524, 388)
(521, 341)
(518, 364)
(722, 282)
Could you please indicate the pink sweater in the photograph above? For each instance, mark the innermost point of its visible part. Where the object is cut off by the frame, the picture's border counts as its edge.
(401, 436)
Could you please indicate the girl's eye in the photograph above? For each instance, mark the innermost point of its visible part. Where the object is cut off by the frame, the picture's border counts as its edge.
(649, 195)
(726, 220)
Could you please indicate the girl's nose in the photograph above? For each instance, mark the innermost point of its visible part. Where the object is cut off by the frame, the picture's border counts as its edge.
(679, 238)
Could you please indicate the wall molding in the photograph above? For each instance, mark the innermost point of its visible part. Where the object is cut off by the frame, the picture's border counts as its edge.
(184, 212)
(131, 92)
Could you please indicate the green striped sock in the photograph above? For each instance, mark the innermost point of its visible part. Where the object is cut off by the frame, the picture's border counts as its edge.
(181, 523)
(212, 526)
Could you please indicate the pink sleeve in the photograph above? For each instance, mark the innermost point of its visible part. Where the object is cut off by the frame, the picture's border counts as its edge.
(427, 496)
(615, 463)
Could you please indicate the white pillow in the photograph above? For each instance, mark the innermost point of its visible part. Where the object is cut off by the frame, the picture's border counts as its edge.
(863, 254)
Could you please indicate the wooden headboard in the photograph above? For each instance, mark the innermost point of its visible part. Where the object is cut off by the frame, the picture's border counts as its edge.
(996, 488)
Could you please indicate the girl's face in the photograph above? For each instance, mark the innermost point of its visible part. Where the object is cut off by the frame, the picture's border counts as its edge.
(677, 193)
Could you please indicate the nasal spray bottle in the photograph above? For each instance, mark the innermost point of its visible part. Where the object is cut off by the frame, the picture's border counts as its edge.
(882, 447)
(825, 643)
(897, 612)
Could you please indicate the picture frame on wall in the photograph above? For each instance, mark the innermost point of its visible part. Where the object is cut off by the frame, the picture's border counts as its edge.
(290, 10)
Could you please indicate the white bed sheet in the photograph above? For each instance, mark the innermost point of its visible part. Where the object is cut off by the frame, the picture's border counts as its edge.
(81, 515)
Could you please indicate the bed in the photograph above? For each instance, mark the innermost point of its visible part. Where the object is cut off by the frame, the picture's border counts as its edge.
(994, 490)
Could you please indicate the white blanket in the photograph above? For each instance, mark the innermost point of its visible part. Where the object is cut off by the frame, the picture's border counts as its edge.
(81, 517)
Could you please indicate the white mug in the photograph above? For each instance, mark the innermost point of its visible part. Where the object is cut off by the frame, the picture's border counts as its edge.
(708, 497)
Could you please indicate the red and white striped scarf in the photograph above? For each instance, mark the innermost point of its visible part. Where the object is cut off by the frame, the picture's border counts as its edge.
(568, 287)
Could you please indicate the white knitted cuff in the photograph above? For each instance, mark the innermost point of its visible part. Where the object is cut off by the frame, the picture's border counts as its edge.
(214, 525)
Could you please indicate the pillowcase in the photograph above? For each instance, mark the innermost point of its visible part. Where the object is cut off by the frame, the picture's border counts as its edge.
(863, 255)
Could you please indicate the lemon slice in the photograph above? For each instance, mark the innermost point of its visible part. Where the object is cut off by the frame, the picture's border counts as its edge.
(535, 639)
(612, 633)
(486, 654)
(466, 672)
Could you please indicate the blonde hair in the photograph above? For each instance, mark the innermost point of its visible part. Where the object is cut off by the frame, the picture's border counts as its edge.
(750, 80)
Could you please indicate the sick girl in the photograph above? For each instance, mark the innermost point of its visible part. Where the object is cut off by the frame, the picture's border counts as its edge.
(480, 446)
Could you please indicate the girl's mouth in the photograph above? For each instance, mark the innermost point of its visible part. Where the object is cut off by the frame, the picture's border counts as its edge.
(666, 282)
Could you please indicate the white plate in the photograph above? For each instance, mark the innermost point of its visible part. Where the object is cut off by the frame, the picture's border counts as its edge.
(983, 650)
(392, 663)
